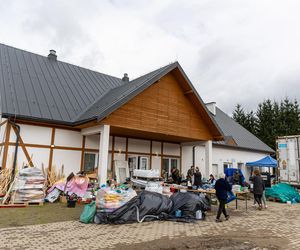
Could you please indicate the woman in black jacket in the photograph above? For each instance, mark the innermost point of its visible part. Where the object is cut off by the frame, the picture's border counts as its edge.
(258, 188)
(197, 178)
(222, 187)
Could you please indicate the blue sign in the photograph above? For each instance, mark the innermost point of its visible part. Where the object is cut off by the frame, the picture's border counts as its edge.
(282, 145)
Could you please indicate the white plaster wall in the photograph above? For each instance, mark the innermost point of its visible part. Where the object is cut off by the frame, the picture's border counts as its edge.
(234, 156)
(156, 147)
(71, 160)
(68, 138)
(136, 145)
(120, 143)
(2, 131)
(171, 149)
(187, 158)
(156, 162)
(118, 156)
(219, 156)
(92, 141)
(33, 134)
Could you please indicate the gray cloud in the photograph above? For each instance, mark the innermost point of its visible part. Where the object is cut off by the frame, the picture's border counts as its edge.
(233, 51)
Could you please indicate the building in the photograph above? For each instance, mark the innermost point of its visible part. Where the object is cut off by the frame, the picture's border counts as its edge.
(58, 114)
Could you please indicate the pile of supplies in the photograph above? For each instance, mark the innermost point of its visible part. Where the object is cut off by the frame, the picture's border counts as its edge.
(29, 186)
(109, 199)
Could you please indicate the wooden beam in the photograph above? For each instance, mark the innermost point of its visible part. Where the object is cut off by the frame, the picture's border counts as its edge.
(180, 159)
(6, 144)
(113, 156)
(82, 153)
(189, 92)
(2, 123)
(161, 157)
(51, 150)
(126, 154)
(150, 154)
(21, 142)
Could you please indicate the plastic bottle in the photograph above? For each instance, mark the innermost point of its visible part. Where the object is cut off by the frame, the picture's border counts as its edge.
(198, 214)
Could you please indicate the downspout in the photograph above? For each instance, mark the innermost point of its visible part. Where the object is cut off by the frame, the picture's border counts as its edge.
(298, 156)
(16, 153)
(16, 150)
(194, 155)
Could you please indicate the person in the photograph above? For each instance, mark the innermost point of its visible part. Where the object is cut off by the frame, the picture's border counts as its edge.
(175, 175)
(190, 174)
(222, 187)
(258, 188)
(197, 178)
(211, 180)
(237, 178)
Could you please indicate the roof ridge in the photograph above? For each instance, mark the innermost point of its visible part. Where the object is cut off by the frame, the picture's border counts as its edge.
(59, 61)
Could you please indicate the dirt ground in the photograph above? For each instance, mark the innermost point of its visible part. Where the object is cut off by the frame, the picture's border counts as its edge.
(277, 227)
(195, 243)
(32, 215)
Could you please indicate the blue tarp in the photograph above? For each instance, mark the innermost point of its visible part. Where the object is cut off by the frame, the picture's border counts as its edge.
(267, 161)
(229, 172)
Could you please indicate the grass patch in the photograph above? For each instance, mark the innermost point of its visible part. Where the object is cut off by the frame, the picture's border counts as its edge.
(32, 215)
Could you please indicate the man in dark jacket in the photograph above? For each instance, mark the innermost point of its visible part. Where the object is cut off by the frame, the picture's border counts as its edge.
(258, 188)
(222, 187)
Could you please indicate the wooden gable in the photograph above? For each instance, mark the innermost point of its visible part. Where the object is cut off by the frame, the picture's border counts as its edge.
(163, 108)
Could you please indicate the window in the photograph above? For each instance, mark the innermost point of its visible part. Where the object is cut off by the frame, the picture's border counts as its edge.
(240, 165)
(227, 165)
(168, 164)
(90, 162)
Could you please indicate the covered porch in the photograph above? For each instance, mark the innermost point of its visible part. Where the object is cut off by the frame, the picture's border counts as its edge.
(143, 150)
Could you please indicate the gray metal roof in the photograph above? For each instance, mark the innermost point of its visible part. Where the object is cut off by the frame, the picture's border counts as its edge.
(242, 137)
(37, 88)
(32, 86)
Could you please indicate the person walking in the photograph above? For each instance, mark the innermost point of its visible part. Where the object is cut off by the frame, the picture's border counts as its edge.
(258, 188)
(222, 187)
(197, 178)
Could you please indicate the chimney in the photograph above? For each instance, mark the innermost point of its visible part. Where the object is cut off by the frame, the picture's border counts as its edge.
(211, 106)
(52, 55)
(125, 78)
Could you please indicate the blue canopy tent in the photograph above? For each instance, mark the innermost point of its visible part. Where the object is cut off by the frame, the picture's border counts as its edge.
(267, 161)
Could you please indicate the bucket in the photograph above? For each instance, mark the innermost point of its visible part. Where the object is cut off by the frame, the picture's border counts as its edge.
(198, 215)
(178, 213)
(71, 203)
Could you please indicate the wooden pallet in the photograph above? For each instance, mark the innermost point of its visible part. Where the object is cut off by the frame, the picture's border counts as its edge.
(28, 204)
(274, 199)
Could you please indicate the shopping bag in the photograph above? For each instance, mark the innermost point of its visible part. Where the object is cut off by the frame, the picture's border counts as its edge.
(230, 197)
(88, 213)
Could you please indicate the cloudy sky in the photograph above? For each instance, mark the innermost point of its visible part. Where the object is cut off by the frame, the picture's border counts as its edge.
(234, 51)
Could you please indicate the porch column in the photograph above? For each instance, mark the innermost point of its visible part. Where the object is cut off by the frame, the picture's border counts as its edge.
(103, 154)
(208, 157)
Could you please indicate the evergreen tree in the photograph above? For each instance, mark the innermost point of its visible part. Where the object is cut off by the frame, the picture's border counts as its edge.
(239, 115)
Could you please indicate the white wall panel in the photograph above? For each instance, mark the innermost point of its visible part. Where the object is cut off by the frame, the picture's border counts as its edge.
(156, 162)
(120, 144)
(68, 138)
(171, 149)
(118, 156)
(35, 134)
(71, 160)
(136, 145)
(2, 131)
(156, 147)
(92, 141)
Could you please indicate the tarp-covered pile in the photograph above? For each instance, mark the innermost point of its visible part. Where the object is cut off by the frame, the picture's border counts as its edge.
(154, 206)
(109, 199)
(29, 186)
(284, 192)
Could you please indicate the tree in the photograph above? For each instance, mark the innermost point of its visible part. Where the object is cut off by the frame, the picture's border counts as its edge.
(239, 115)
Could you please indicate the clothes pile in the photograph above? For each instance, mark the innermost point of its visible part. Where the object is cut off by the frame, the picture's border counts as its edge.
(29, 186)
(77, 185)
(109, 199)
